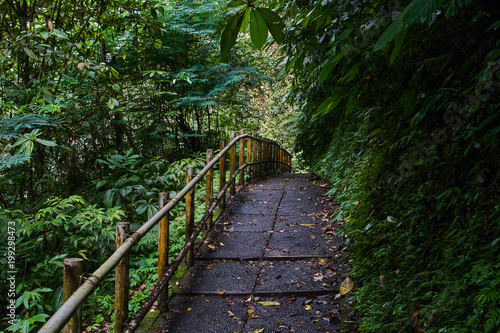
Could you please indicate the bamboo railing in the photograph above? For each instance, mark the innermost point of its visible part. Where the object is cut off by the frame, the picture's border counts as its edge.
(262, 156)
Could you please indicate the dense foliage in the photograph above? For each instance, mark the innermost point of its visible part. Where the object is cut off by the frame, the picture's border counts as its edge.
(104, 104)
(400, 111)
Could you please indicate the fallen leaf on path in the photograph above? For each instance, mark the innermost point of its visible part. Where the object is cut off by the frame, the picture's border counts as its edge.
(318, 276)
(307, 307)
(271, 303)
(346, 286)
(258, 330)
(307, 224)
(221, 293)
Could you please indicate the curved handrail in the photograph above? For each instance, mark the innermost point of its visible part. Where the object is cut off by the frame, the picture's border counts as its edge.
(69, 308)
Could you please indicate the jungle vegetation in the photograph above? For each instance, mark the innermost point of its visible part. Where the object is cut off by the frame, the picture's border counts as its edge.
(395, 103)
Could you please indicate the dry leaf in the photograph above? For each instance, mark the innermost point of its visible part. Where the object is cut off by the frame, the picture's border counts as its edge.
(221, 293)
(272, 303)
(308, 307)
(346, 286)
(258, 330)
(318, 276)
(307, 224)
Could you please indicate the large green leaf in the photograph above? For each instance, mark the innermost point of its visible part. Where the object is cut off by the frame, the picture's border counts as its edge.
(258, 29)
(246, 21)
(416, 11)
(236, 3)
(228, 38)
(274, 23)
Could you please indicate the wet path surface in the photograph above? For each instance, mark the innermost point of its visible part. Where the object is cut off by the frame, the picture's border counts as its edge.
(272, 264)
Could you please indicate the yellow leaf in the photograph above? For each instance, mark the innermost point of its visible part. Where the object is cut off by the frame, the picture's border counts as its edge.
(189, 309)
(274, 303)
(258, 330)
(307, 224)
(230, 313)
(308, 307)
(210, 246)
(346, 286)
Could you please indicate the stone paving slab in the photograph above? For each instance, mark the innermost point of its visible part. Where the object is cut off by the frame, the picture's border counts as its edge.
(261, 195)
(273, 184)
(221, 277)
(296, 314)
(253, 207)
(297, 244)
(297, 276)
(246, 222)
(237, 245)
(204, 314)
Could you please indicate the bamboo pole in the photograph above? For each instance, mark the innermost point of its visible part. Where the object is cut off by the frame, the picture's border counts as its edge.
(261, 168)
(73, 268)
(254, 158)
(121, 279)
(190, 215)
(232, 165)
(242, 160)
(265, 153)
(222, 175)
(163, 249)
(249, 156)
(209, 194)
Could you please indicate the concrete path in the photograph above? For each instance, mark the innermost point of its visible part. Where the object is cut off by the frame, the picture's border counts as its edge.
(272, 264)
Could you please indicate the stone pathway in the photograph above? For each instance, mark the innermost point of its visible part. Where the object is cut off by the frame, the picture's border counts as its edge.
(268, 266)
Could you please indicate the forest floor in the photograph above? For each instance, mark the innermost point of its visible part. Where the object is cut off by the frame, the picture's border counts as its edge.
(272, 264)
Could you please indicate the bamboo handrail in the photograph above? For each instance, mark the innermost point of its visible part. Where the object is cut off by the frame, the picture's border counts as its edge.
(70, 307)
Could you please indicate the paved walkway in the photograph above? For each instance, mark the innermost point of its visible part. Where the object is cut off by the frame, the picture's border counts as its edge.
(272, 264)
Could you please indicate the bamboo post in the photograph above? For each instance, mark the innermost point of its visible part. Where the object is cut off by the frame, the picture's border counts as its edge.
(249, 156)
(254, 158)
(261, 168)
(265, 156)
(242, 160)
(121, 279)
(163, 249)
(209, 194)
(273, 156)
(232, 165)
(190, 215)
(281, 160)
(73, 268)
(222, 175)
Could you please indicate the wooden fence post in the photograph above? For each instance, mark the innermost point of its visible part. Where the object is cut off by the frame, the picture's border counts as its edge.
(249, 156)
(190, 215)
(254, 159)
(222, 175)
(261, 165)
(73, 268)
(273, 156)
(242, 160)
(121, 279)
(209, 193)
(163, 249)
(232, 165)
(265, 153)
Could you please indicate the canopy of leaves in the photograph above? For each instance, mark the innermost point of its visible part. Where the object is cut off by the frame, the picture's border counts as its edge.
(400, 111)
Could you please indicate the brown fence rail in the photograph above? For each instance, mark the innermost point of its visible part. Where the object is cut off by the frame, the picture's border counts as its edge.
(262, 156)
